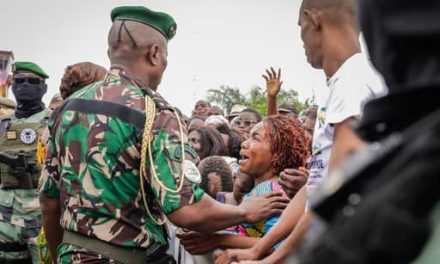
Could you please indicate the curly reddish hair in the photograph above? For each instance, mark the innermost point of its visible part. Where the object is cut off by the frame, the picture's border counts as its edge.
(79, 75)
(287, 140)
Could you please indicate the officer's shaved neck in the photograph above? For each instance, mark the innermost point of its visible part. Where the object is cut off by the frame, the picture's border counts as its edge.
(134, 45)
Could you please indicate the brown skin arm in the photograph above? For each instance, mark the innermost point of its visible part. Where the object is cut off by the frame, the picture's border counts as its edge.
(289, 246)
(273, 86)
(198, 244)
(345, 142)
(208, 215)
(51, 214)
(288, 220)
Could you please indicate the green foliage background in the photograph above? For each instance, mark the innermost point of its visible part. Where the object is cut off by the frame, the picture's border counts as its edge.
(227, 96)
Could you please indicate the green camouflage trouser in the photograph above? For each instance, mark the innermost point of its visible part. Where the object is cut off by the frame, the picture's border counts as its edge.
(25, 236)
(20, 223)
(68, 253)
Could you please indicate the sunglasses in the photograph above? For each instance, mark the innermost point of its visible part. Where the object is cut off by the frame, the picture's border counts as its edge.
(247, 123)
(30, 80)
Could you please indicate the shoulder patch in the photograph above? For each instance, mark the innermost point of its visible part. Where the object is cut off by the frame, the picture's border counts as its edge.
(191, 172)
(11, 135)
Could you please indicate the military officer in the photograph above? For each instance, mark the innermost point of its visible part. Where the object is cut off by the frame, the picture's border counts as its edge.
(118, 159)
(20, 213)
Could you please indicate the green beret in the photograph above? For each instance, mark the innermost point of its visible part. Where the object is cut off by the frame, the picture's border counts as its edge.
(162, 22)
(28, 67)
(7, 102)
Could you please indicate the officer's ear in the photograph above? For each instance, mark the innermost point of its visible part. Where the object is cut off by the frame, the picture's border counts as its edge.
(314, 17)
(153, 55)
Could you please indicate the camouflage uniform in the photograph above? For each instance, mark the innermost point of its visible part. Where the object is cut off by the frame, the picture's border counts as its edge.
(92, 164)
(20, 213)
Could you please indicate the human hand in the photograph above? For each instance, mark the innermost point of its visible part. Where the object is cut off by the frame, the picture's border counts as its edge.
(252, 262)
(292, 180)
(198, 244)
(273, 81)
(231, 255)
(257, 209)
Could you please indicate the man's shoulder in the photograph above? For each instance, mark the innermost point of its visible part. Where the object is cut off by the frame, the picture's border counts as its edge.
(357, 79)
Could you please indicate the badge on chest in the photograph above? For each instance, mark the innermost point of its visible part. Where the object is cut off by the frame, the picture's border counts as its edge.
(28, 136)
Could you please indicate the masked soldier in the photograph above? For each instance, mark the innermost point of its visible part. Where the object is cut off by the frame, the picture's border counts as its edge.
(20, 214)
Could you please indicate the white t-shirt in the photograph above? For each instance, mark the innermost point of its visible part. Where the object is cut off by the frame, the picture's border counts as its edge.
(354, 84)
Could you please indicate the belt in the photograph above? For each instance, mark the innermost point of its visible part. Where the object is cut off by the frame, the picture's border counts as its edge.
(107, 250)
(12, 247)
(16, 261)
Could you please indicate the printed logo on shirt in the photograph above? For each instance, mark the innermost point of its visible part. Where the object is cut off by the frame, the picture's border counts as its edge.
(321, 116)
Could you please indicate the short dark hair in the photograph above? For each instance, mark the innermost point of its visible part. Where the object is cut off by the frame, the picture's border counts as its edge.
(253, 111)
(221, 168)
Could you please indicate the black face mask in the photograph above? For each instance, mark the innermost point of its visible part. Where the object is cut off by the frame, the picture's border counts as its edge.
(29, 97)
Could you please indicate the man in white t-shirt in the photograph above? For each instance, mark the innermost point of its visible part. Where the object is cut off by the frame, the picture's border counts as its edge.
(329, 30)
(351, 87)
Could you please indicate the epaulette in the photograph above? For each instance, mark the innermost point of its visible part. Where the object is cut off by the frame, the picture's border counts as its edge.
(160, 102)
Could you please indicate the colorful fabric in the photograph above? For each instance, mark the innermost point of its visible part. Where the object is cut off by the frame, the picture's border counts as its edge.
(92, 165)
(261, 228)
(43, 250)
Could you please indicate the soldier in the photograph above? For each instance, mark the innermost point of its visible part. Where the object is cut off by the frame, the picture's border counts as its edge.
(118, 159)
(20, 212)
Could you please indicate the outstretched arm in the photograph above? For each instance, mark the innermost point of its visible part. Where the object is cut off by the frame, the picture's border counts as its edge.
(273, 86)
(208, 216)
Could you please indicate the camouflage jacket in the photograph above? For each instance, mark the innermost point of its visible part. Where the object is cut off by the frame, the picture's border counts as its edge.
(20, 207)
(92, 164)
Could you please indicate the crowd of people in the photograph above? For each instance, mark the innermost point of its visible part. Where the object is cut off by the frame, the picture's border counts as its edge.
(110, 172)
